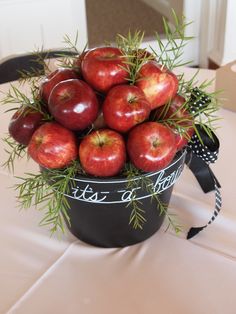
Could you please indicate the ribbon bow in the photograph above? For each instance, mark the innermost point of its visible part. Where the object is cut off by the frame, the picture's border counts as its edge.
(199, 155)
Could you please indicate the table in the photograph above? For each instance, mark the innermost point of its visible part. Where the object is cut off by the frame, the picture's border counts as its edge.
(166, 274)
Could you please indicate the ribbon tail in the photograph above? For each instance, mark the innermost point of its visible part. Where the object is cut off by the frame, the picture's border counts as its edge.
(218, 204)
(214, 177)
(194, 231)
(200, 152)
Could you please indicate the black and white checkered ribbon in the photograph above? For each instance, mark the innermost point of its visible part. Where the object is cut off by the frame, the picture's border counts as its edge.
(200, 155)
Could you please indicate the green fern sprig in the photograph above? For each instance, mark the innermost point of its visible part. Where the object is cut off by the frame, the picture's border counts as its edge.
(137, 219)
(206, 117)
(170, 54)
(138, 179)
(172, 221)
(72, 45)
(32, 76)
(15, 151)
(20, 101)
(130, 43)
(180, 123)
(134, 56)
(67, 60)
(47, 192)
(137, 214)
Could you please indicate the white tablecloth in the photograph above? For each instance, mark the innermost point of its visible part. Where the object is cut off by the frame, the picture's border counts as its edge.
(166, 274)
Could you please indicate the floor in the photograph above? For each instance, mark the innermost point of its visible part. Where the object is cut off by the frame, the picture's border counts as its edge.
(106, 18)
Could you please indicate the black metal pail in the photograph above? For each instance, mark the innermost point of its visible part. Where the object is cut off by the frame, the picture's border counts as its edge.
(99, 212)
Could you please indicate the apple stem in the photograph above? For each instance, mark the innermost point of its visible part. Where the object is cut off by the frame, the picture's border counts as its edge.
(100, 140)
(38, 141)
(132, 99)
(155, 143)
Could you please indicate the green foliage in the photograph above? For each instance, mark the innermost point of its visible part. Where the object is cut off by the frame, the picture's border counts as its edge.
(137, 215)
(65, 60)
(130, 47)
(34, 75)
(14, 151)
(171, 53)
(72, 45)
(46, 191)
(130, 43)
(16, 99)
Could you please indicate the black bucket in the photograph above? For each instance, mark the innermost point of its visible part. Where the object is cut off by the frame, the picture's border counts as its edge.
(99, 214)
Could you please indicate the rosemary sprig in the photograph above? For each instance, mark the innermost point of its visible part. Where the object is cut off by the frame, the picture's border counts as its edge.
(134, 56)
(130, 43)
(32, 76)
(137, 218)
(205, 116)
(17, 97)
(171, 218)
(14, 151)
(137, 215)
(66, 60)
(148, 184)
(175, 121)
(170, 54)
(23, 104)
(42, 58)
(72, 45)
(46, 191)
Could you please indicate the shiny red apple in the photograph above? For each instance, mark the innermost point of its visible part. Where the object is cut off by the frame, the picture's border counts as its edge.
(102, 153)
(158, 83)
(104, 67)
(74, 104)
(182, 120)
(151, 146)
(23, 124)
(54, 78)
(53, 146)
(124, 107)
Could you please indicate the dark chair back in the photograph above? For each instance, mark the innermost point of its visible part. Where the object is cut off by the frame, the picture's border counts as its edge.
(10, 68)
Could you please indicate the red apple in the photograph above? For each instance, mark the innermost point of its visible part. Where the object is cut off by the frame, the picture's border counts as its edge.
(54, 78)
(102, 153)
(74, 104)
(158, 83)
(151, 146)
(53, 146)
(177, 112)
(124, 107)
(104, 67)
(23, 124)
